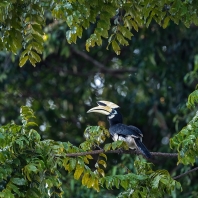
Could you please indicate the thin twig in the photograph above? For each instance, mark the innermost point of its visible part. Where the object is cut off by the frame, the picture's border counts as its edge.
(102, 67)
(183, 174)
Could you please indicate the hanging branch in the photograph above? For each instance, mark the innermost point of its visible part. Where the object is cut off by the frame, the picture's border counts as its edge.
(186, 173)
(102, 67)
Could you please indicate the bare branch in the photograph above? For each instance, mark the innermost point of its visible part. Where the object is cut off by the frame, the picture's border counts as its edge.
(96, 152)
(102, 67)
(183, 174)
(52, 25)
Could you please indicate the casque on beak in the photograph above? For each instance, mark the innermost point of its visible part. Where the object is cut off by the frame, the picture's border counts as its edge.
(104, 107)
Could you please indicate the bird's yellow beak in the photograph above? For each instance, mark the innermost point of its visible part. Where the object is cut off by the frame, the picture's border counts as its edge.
(104, 107)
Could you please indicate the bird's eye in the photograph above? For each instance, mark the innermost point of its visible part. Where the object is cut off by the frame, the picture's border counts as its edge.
(114, 111)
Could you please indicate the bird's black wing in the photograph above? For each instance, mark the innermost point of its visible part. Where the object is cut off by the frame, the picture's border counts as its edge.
(124, 130)
(136, 130)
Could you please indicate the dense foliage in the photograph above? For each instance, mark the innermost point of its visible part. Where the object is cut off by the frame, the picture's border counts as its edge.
(30, 167)
(186, 141)
(22, 21)
(152, 80)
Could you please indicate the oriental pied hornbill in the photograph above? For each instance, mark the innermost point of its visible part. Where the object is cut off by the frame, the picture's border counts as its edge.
(130, 134)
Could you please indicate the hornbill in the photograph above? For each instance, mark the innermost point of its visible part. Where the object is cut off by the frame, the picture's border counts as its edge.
(130, 134)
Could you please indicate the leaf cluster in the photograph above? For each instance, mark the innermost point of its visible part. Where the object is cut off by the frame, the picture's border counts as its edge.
(22, 22)
(193, 99)
(146, 183)
(186, 140)
(21, 28)
(28, 166)
(94, 135)
(31, 167)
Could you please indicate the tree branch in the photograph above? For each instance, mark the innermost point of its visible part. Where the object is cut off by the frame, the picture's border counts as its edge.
(96, 152)
(101, 66)
(183, 174)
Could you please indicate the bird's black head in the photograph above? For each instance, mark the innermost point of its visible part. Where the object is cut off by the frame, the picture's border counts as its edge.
(114, 117)
(110, 109)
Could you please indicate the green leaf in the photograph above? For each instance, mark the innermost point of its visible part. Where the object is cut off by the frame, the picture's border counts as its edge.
(102, 162)
(28, 169)
(32, 124)
(90, 157)
(85, 178)
(35, 56)
(37, 28)
(79, 170)
(85, 160)
(166, 22)
(134, 24)
(101, 171)
(19, 181)
(79, 31)
(103, 155)
(71, 35)
(192, 99)
(155, 181)
(7, 194)
(32, 168)
(36, 46)
(72, 164)
(33, 193)
(116, 47)
(23, 61)
(96, 184)
(107, 147)
(90, 182)
(108, 182)
(125, 32)
(121, 39)
(103, 24)
(124, 184)
(116, 144)
(14, 188)
(38, 38)
(116, 182)
(101, 32)
(32, 61)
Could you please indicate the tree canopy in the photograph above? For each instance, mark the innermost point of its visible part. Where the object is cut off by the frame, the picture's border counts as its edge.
(74, 46)
(22, 22)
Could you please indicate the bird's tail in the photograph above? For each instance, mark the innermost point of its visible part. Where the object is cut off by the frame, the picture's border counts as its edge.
(142, 148)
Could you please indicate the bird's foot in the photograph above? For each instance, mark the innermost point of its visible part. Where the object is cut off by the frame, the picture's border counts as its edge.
(99, 147)
(120, 151)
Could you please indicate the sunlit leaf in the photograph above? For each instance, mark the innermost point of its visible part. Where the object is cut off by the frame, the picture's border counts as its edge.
(23, 61)
(79, 170)
(107, 147)
(85, 178)
(116, 47)
(103, 155)
(19, 181)
(72, 163)
(102, 162)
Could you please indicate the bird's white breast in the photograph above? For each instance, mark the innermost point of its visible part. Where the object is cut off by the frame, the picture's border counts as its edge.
(128, 139)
